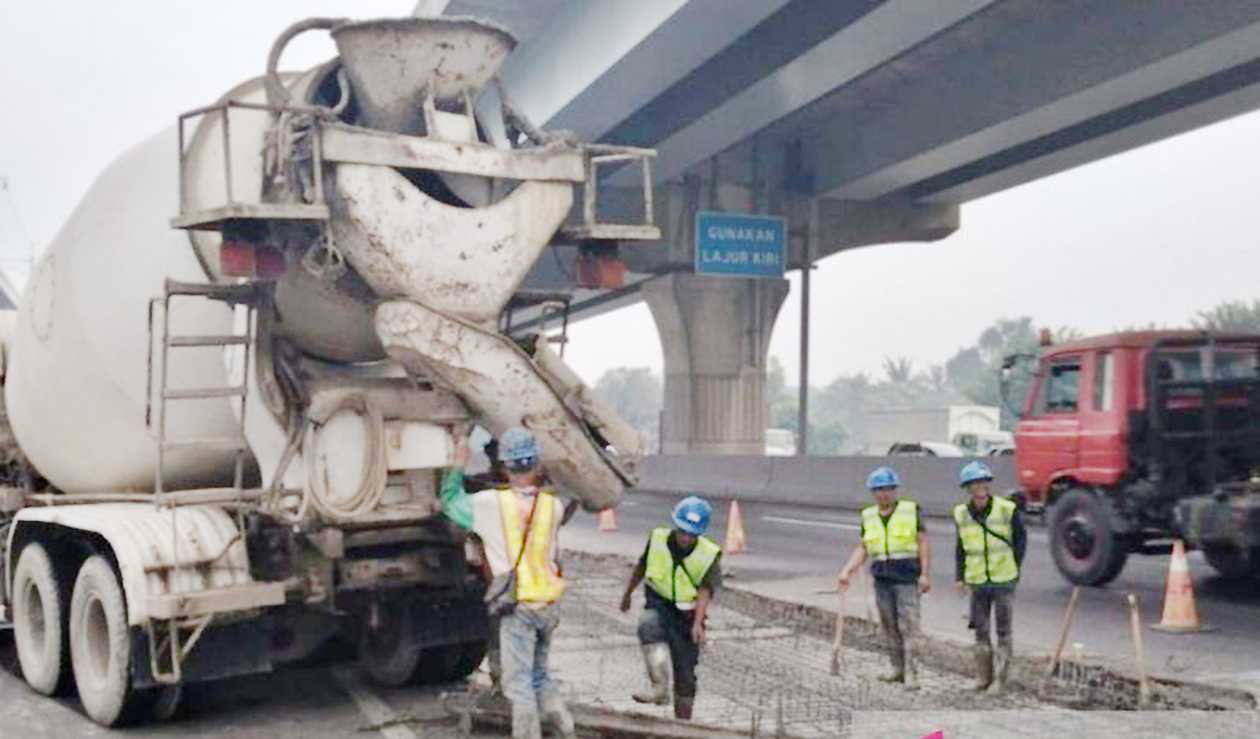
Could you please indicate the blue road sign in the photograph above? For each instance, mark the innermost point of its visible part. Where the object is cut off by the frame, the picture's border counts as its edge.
(739, 245)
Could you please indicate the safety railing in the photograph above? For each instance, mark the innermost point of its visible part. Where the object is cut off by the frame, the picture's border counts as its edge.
(202, 217)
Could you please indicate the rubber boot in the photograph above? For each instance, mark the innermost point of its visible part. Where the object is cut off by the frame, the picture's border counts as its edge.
(984, 668)
(1001, 666)
(656, 658)
(682, 707)
(911, 670)
(555, 711)
(898, 673)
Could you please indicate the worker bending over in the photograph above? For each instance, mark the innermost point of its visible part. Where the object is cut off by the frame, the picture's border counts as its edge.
(683, 574)
(892, 538)
(990, 550)
(518, 524)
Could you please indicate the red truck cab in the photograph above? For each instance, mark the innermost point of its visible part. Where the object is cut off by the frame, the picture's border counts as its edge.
(1133, 438)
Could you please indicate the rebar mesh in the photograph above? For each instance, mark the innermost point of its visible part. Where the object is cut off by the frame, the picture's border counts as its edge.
(763, 676)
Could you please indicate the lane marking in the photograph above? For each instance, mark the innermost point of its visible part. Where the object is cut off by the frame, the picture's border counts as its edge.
(817, 524)
(371, 706)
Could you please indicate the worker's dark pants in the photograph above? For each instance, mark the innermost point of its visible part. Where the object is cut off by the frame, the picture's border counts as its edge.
(672, 626)
(898, 604)
(998, 600)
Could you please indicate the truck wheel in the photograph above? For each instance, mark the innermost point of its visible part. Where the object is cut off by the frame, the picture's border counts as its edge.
(450, 662)
(1084, 548)
(389, 653)
(39, 623)
(100, 645)
(1231, 562)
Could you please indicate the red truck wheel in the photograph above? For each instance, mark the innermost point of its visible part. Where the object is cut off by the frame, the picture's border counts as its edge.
(1084, 547)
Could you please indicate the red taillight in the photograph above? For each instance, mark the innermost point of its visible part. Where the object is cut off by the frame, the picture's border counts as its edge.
(600, 270)
(269, 263)
(243, 259)
(236, 259)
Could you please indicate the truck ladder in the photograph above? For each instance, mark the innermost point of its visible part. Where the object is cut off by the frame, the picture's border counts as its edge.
(232, 295)
(162, 338)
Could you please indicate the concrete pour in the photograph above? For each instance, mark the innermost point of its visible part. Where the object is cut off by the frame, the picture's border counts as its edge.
(765, 671)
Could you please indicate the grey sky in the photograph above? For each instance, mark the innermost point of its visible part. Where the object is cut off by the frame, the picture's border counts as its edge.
(1148, 236)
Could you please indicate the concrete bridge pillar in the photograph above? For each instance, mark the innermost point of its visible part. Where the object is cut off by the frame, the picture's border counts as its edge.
(715, 333)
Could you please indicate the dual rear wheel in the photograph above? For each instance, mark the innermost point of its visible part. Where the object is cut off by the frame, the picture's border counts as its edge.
(82, 632)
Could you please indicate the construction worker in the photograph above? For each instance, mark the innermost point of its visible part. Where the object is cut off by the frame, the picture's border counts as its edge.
(518, 524)
(988, 555)
(494, 476)
(893, 539)
(683, 574)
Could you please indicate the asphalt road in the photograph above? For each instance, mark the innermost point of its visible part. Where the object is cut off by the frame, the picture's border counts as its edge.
(795, 552)
(315, 702)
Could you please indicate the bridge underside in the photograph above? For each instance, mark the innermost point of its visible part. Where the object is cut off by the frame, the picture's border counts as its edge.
(888, 114)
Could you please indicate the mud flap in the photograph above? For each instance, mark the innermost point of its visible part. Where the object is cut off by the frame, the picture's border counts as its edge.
(241, 648)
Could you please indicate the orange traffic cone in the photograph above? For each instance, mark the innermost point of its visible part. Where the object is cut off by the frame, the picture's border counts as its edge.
(608, 520)
(1180, 615)
(735, 541)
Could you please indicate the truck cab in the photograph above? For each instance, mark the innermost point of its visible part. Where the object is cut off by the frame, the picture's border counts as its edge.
(1132, 439)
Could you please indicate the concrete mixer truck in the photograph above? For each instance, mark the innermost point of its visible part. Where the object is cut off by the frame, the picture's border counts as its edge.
(234, 378)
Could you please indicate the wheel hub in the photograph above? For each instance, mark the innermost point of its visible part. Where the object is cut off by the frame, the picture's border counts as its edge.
(1079, 538)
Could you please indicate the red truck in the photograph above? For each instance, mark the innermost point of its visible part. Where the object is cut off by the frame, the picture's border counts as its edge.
(1133, 439)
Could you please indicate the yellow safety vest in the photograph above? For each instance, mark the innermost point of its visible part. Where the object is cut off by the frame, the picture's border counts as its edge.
(990, 557)
(537, 580)
(899, 539)
(678, 583)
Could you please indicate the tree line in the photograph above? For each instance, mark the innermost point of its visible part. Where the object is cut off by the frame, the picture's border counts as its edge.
(840, 408)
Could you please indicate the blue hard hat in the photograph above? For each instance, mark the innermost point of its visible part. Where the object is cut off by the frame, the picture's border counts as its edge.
(692, 514)
(884, 477)
(518, 448)
(974, 472)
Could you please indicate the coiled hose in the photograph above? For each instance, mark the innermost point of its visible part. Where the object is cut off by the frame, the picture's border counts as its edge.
(371, 487)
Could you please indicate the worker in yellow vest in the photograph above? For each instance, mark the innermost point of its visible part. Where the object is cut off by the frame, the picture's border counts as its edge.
(518, 524)
(893, 539)
(683, 573)
(988, 555)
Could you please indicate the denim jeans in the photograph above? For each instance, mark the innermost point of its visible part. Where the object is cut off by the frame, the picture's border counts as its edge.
(524, 647)
(899, 615)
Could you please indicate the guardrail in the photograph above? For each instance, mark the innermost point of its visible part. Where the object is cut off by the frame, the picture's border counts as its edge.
(831, 482)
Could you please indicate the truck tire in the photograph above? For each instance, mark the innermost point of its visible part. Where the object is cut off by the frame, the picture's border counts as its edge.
(100, 645)
(39, 622)
(389, 653)
(1084, 548)
(1231, 562)
(450, 663)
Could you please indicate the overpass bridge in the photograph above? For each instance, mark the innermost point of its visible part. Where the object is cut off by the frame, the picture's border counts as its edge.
(861, 122)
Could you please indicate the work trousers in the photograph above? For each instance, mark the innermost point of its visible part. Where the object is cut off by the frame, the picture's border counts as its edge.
(673, 627)
(525, 647)
(995, 600)
(898, 604)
